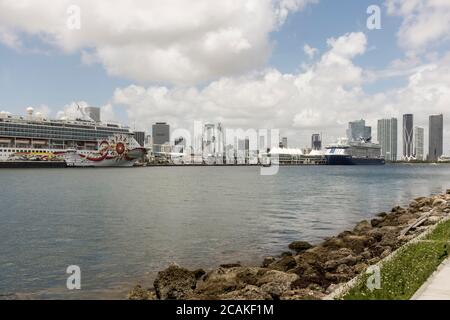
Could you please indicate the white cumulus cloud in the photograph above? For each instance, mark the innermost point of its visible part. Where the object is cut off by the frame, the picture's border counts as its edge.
(171, 41)
(425, 22)
(321, 98)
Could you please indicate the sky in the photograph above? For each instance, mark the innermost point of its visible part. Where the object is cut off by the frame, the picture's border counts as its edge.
(301, 66)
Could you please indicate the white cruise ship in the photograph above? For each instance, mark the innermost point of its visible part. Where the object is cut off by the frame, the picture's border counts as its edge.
(81, 142)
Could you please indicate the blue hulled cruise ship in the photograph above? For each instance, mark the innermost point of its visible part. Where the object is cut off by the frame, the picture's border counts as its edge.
(362, 152)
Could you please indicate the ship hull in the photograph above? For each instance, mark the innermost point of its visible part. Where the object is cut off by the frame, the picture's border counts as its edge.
(80, 160)
(347, 160)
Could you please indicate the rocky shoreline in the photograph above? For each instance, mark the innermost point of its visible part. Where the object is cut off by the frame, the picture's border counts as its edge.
(307, 271)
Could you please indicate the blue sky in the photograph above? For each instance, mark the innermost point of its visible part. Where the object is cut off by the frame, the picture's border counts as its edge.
(180, 65)
(55, 78)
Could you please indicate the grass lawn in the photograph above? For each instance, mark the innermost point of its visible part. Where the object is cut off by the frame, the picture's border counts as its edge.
(405, 273)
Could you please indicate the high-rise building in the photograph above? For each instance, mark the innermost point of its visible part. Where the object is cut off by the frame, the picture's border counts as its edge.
(387, 138)
(243, 150)
(161, 135)
(316, 142)
(435, 136)
(419, 143)
(358, 130)
(408, 123)
(284, 142)
(139, 136)
(209, 138)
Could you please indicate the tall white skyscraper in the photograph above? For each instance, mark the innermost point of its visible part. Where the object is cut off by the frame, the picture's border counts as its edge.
(419, 143)
(387, 138)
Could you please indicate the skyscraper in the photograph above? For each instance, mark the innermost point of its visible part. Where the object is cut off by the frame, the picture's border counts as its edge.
(316, 142)
(161, 135)
(408, 121)
(435, 136)
(387, 138)
(418, 143)
(284, 142)
(209, 139)
(358, 130)
(139, 136)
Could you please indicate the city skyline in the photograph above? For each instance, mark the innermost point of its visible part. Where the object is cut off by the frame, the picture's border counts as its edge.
(387, 137)
(303, 67)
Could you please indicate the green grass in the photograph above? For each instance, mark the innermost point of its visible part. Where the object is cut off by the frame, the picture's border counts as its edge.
(402, 276)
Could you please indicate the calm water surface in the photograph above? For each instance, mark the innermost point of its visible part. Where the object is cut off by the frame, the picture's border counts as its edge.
(123, 225)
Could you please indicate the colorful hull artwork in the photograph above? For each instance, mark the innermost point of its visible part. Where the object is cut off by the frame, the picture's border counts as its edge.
(118, 151)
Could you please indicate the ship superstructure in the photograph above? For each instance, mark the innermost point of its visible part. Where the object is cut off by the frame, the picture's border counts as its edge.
(35, 138)
(362, 152)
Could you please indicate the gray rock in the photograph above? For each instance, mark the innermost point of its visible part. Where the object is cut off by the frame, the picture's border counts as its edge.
(276, 282)
(300, 246)
(267, 261)
(284, 264)
(248, 292)
(376, 221)
(174, 283)
(139, 293)
(230, 265)
(438, 202)
(360, 267)
(362, 227)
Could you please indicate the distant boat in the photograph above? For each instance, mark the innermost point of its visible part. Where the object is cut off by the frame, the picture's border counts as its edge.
(362, 152)
(444, 159)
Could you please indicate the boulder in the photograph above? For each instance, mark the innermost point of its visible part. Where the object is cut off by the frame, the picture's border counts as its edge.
(432, 220)
(366, 254)
(276, 282)
(248, 292)
(339, 254)
(343, 268)
(376, 221)
(174, 283)
(338, 277)
(284, 264)
(302, 294)
(406, 218)
(230, 265)
(360, 267)
(334, 243)
(438, 201)
(305, 280)
(286, 254)
(391, 220)
(362, 227)
(199, 273)
(224, 280)
(390, 240)
(398, 210)
(358, 243)
(267, 261)
(414, 205)
(300, 246)
(333, 264)
(385, 253)
(139, 293)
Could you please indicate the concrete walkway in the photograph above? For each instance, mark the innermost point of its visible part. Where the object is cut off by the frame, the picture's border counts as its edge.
(437, 287)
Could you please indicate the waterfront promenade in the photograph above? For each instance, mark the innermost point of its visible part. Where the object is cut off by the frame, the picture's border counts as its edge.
(437, 286)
